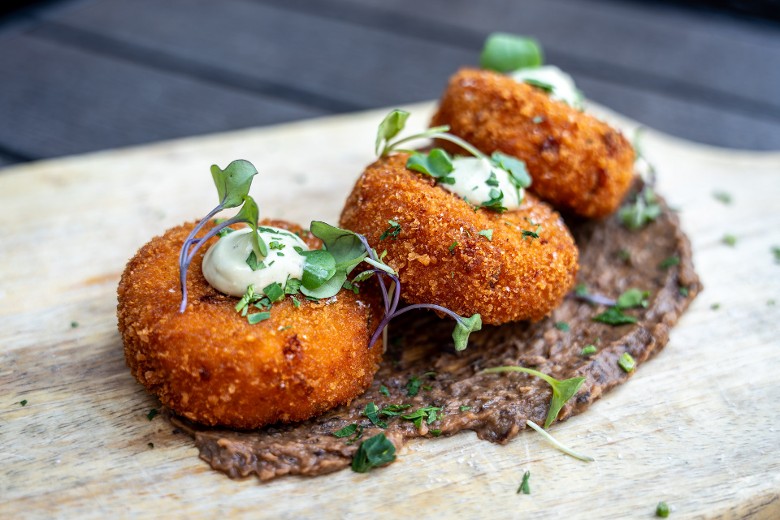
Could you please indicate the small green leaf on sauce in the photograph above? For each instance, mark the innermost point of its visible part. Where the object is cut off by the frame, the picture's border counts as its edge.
(562, 326)
(505, 52)
(372, 412)
(642, 211)
(614, 316)
(662, 510)
(463, 328)
(413, 386)
(487, 233)
(525, 487)
(562, 390)
(435, 433)
(429, 414)
(589, 350)
(666, 263)
(437, 163)
(318, 268)
(464, 408)
(518, 173)
(539, 84)
(633, 298)
(274, 292)
(373, 452)
(627, 362)
(346, 431)
(384, 391)
(722, 196)
(683, 291)
(581, 290)
(152, 414)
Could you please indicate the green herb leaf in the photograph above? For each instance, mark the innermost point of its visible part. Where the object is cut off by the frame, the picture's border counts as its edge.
(662, 510)
(413, 386)
(257, 317)
(453, 246)
(343, 244)
(487, 233)
(562, 390)
(529, 234)
(429, 414)
(152, 414)
(394, 410)
(525, 487)
(437, 163)
(496, 201)
(384, 391)
(507, 52)
(392, 232)
(626, 362)
(683, 291)
(253, 263)
(669, 262)
(390, 126)
(722, 196)
(249, 213)
(274, 292)
(776, 253)
(518, 173)
(642, 211)
(464, 408)
(346, 431)
(23, 402)
(633, 298)
(318, 268)
(463, 328)
(233, 182)
(562, 326)
(539, 84)
(373, 452)
(372, 412)
(730, 240)
(614, 316)
(589, 350)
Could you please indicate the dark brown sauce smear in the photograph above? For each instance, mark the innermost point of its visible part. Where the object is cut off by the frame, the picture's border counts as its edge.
(612, 260)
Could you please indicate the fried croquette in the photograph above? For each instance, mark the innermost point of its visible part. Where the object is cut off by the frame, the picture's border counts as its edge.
(507, 267)
(577, 163)
(210, 365)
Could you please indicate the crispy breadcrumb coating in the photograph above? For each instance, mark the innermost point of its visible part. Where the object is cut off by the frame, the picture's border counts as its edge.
(440, 256)
(213, 367)
(577, 162)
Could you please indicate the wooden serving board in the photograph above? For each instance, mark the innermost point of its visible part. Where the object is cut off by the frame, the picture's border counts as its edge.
(697, 426)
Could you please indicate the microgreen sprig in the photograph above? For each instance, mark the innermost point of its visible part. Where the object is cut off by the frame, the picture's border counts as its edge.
(233, 185)
(562, 390)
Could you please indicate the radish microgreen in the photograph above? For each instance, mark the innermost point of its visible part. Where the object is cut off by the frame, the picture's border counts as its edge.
(507, 52)
(562, 390)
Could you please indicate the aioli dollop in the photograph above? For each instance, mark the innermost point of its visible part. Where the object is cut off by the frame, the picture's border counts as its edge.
(225, 267)
(474, 182)
(563, 86)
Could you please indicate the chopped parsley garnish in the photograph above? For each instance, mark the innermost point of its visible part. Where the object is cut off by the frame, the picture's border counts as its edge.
(525, 487)
(437, 163)
(662, 510)
(496, 201)
(537, 120)
(729, 239)
(643, 210)
(258, 317)
(539, 84)
(531, 234)
(722, 196)
(464, 408)
(624, 255)
(254, 263)
(74, 324)
(453, 246)
(384, 391)
(394, 410)
(373, 452)
(776, 253)
(614, 316)
(562, 326)
(429, 414)
(627, 362)
(152, 414)
(505, 52)
(562, 390)
(275, 245)
(23, 402)
(435, 433)
(413, 386)
(487, 233)
(347, 431)
(150, 445)
(715, 306)
(589, 350)
(274, 292)
(391, 232)
(669, 262)
(683, 291)
(372, 412)
(633, 298)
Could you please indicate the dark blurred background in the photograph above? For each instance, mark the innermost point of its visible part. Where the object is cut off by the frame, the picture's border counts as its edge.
(83, 75)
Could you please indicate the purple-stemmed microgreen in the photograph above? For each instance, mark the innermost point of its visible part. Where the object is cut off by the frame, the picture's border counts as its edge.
(232, 185)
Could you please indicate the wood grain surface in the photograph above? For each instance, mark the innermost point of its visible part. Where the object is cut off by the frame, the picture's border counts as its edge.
(697, 426)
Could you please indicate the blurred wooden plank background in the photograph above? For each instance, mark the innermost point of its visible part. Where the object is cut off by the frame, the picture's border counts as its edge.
(83, 75)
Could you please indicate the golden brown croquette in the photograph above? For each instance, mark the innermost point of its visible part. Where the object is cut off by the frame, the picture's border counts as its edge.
(577, 162)
(442, 258)
(213, 367)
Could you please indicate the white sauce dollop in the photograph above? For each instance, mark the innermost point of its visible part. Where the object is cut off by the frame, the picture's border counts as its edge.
(563, 87)
(225, 267)
(471, 175)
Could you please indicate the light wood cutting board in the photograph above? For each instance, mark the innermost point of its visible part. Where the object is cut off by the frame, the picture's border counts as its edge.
(697, 426)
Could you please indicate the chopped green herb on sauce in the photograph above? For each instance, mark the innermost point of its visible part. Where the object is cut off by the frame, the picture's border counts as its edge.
(464, 408)
(627, 362)
(669, 262)
(373, 452)
(562, 326)
(614, 316)
(384, 391)
(589, 350)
